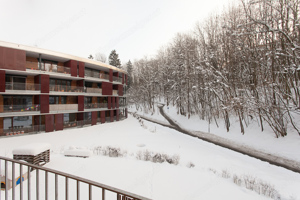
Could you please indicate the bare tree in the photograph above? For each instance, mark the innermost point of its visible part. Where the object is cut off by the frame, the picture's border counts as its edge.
(100, 57)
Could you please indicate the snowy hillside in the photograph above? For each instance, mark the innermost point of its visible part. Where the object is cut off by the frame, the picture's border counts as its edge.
(203, 171)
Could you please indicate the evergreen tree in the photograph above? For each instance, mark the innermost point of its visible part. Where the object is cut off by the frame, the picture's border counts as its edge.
(114, 59)
(129, 71)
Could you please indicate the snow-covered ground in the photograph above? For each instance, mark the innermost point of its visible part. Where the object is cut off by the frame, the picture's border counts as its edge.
(288, 147)
(212, 176)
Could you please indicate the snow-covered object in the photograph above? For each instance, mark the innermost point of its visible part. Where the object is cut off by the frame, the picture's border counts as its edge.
(17, 175)
(78, 152)
(31, 149)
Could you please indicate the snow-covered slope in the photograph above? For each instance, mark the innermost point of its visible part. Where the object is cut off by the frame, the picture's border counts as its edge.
(212, 176)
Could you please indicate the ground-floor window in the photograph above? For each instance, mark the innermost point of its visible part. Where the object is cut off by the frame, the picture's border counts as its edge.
(19, 123)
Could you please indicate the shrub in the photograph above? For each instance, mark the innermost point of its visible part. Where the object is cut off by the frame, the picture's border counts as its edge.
(190, 165)
(225, 174)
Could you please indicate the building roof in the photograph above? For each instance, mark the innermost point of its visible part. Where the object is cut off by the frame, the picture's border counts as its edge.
(61, 57)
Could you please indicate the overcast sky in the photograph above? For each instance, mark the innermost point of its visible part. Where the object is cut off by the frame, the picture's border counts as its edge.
(134, 28)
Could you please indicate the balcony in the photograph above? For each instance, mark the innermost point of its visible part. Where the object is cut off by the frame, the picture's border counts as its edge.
(115, 92)
(94, 74)
(94, 90)
(16, 130)
(66, 186)
(95, 105)
(104, 76)
(64, 88)
(117, 79)
(21, 108)
(48, 68)
(107, 119)
(63, 107)
(24, 87)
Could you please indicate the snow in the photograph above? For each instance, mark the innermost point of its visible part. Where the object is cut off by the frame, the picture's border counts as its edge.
(72, 151)
(288, 147)
(32, 149)
(154, 180)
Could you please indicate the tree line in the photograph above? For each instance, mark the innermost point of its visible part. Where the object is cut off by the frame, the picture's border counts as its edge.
(241, 63)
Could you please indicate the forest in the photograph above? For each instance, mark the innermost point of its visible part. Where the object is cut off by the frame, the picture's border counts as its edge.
(240, 63)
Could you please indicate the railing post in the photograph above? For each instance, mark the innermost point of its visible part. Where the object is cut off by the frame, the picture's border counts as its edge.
(67, 189)
(46, 185)
(56, 187)
(29, 184)
(37, 185)
(78, 190)
(103, 194)
(6, 181)
(90, 192)
(13, 182)
(21, 182)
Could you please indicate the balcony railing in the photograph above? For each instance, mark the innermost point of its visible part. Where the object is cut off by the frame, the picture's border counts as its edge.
(117, 79)
(107, 119)
(65, 88)
(104, 76)
(63, 107)
(16, 130)
(122, 117)
(65, 186)
(95, 105)
(96, 75)
(115, 92)
(22, 86)
(21, 108)
(48, 68)
(94, 90)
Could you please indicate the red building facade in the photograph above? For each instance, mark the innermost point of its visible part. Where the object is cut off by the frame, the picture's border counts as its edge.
(42, 90)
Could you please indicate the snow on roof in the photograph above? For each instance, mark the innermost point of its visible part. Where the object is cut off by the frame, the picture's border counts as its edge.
(32, 149)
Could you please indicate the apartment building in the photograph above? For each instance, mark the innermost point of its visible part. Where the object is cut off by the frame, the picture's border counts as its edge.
(42, 90)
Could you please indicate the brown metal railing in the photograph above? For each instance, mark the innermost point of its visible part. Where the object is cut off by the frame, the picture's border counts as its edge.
(65, 88)
(22, 86)
(18, 130)
(95, 105)
(48, 68)
(21, 108)
(42, 183)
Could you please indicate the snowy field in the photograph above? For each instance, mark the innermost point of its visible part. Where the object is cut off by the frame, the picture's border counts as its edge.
(204, 170)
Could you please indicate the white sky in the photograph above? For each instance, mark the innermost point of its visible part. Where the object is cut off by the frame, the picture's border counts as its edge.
(134, 28)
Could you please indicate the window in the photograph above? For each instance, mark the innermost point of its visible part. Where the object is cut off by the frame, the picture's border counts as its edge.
(22, 121)
(66, 117)
(63, 100)
(53, 99)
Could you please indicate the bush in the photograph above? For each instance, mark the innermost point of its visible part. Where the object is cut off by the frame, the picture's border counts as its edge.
(190, 165)
(225, 174)
(109, 151)
(157, 157)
